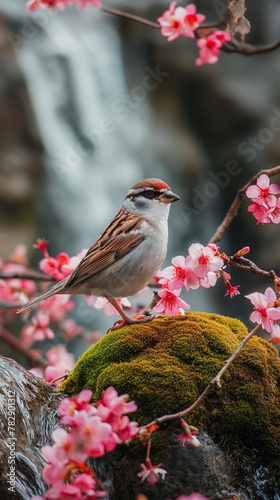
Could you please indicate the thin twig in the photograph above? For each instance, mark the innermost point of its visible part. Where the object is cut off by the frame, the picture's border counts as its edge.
(33, 276)
(247, 265)
(233, 209)
(215, 382)
(132, 17)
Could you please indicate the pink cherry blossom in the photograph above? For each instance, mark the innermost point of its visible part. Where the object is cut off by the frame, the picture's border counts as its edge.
(265, 206)
(274, 215)
(209, 47)
(266, 313)
(151, 473)
(261, 212)
(263, 192)
(71, 329)
(191, 20)
(41, 245)
(60, 362)
(15, 289)
(57, 307)
(94, 3)
(38, 330)
(231, 290)
(46, 4)
(204, 260)
(188, 438)
(169, 303)
(68, 406)
(188, 434)
(56, 266)
(60, 4)
(179, 274)
(180, 21)
(72, 263)
(112, 409)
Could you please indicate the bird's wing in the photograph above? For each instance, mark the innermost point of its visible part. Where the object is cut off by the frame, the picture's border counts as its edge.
(118, 239)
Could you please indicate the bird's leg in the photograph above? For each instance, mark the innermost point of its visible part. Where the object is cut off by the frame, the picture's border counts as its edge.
(127, 320)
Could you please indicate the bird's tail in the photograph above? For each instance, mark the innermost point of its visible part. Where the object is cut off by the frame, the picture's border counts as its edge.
(58, 288)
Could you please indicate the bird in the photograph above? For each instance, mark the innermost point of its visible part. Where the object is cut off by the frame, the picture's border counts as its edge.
(128, 253)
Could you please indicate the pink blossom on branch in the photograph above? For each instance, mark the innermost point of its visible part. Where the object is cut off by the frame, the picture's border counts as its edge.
(169, 303)
(60, 4)
(204, 259)
(179, 274)
(180, 21)
(263, 192)
(265, 206)
(38, 330)
(55, 266)
(267, 310)
(151, 473)
(209, 47)
(87, 435)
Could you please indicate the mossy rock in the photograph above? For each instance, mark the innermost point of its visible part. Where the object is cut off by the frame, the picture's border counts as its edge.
(164, 365)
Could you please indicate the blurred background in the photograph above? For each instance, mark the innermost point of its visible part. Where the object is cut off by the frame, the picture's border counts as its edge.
(91, 103)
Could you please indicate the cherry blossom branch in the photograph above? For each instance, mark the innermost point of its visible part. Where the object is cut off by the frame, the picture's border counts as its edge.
(235, 46)
(244, 264)
(33, 276)
(33, 357)
(250, 50)
(215, 382)
(132, 17)
(233, 209)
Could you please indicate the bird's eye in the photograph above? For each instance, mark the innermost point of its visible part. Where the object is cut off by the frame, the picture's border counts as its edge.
(150, 194)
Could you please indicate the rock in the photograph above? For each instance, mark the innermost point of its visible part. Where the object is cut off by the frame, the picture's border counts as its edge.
(28, 409)
(164, 366)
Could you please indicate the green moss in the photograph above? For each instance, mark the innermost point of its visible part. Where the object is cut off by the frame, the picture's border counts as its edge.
(164, 366)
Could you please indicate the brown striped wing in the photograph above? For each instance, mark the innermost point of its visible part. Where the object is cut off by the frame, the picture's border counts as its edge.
(118, 239)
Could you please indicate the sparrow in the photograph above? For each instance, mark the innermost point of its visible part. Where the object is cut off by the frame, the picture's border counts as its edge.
(128, 253)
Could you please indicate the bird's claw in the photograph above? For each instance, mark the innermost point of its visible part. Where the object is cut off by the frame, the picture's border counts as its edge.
(134, 319)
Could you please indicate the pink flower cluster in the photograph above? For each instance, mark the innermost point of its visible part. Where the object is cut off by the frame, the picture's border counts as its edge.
(266, 205)
(15, 289)
(180, 21)
(201, 267)
(52, 310)
(60, 4)
(209, 47)
(59, 363)
(61, 266)
(184, 21)
(91, 432)
(267, 312)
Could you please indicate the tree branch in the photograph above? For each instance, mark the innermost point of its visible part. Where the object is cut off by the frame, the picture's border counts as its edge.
(249, 50)
(247, 265)
(32, 275)
(132, 17)
(233, 209)
(233, 47)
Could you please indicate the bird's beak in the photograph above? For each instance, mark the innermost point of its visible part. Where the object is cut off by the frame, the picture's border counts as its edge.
(169, 197)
